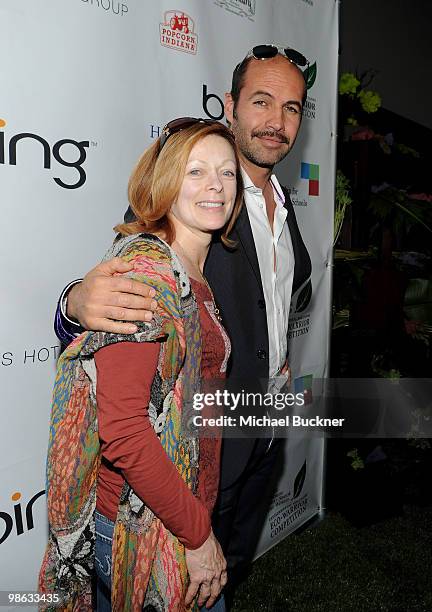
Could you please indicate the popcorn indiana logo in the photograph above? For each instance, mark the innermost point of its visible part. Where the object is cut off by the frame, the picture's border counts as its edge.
(178, 32)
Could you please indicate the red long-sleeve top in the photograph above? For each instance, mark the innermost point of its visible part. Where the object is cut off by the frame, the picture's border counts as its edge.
(131, 450)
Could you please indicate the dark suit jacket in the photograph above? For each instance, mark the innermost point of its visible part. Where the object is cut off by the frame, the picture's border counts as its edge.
(236, 282)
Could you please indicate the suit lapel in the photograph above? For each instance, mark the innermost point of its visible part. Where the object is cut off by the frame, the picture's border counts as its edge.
(302, 269)
(243, 232)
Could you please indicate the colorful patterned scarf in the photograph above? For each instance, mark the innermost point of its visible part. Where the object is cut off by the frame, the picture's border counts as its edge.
(148, 564)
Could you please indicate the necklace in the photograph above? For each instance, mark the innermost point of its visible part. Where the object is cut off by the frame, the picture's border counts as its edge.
(195, 267)
(215, 307)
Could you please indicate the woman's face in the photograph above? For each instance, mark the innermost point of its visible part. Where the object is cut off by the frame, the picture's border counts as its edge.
(208, 191)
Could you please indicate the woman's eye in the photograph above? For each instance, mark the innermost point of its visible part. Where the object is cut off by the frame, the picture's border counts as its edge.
(194, 172)
(229, 173)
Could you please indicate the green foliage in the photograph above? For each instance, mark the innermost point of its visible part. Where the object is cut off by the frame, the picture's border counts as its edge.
(394, 207)
(342, 200)
(357, 462)
(370, 101)
(380, 366)
(348, 84)
(418, 301)
(355, 99)
(407, 150)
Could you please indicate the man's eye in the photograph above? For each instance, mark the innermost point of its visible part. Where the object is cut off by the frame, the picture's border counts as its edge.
(293, 109)
(229, 173)
(260, 102)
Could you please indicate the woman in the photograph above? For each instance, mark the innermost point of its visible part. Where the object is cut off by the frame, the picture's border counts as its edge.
(118, 456)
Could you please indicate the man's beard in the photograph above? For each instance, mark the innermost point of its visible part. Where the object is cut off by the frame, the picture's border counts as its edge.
(256, 154)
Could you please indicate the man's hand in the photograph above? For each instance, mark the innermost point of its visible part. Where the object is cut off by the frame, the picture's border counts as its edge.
(102, 297)
(207, 572)
(287, 371)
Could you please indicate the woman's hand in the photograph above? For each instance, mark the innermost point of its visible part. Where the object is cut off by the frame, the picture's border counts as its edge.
(207, 572)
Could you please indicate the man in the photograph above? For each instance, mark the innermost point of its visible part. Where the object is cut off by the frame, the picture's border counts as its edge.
(252, 284)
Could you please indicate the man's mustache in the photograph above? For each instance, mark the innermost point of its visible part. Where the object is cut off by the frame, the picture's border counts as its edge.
(271, 134)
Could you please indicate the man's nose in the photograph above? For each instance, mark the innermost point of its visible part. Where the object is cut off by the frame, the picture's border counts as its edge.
(275, 120)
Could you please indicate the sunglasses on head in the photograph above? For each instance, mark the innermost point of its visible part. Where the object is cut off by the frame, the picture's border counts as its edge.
(182, 123)
(264, 52)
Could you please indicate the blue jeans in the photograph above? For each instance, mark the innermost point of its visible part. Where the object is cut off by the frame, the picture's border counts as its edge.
(103, 556)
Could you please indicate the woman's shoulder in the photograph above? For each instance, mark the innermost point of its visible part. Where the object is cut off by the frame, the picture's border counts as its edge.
(153, 259)
(135, 244)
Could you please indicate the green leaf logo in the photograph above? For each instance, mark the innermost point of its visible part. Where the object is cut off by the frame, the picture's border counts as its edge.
(310, 75)
(304, 297)
(299, 481)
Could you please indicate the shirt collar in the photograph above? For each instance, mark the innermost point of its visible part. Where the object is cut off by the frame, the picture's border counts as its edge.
(251, 188)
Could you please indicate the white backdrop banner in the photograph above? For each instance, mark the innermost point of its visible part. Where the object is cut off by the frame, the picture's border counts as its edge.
(86, 87)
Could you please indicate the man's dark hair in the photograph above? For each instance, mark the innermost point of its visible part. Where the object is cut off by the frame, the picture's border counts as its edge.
(238, 78)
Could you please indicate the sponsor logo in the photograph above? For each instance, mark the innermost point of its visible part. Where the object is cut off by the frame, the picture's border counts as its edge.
(300, 300)
(20, 518)
(214, 110)
(310, 75)
(310, 172)
(178, 32)
(288, 507)
(303, 384)
(9, 154)
(31, 356)
(299, 321)
(298, 326)
(154, 131)
(310, 106)
(242, 8)
(212, 105)
(112, 6)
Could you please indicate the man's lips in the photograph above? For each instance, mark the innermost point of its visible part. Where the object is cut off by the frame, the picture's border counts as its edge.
(271, 138)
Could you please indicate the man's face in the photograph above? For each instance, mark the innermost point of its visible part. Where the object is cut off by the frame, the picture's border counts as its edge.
(267, 117)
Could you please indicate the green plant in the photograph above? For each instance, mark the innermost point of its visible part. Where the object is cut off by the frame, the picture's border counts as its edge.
(357, 462)
(396, 208)
(355, 100)
(342, 200)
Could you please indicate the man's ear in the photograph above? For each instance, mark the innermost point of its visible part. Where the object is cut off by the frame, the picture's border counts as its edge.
(229, 107)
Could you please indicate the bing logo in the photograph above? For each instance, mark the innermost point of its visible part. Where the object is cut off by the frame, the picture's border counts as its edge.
(21, 518)
(310, 172)
(8, 154)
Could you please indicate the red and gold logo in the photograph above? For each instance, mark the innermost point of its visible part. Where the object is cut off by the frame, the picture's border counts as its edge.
(178, 32)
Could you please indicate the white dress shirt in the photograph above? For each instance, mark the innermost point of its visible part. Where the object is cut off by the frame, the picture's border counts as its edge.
(276, 262)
